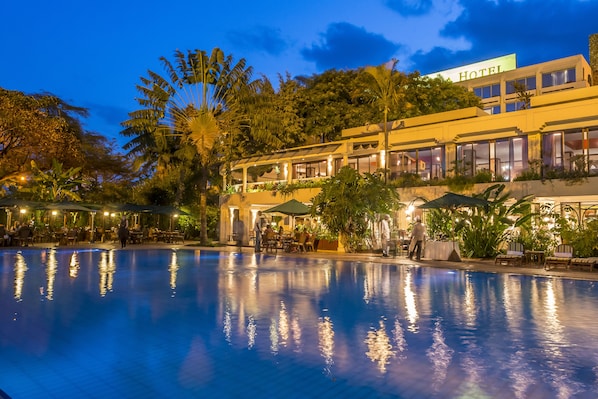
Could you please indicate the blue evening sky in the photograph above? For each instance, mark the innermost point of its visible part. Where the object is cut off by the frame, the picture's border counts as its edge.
(93, 53)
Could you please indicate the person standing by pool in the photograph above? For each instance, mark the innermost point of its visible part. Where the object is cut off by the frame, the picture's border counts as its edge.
(385, 234)
(123, 232)
(257, 229)
(417, 234)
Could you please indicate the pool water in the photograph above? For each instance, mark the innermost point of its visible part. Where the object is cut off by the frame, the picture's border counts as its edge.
(206, 324)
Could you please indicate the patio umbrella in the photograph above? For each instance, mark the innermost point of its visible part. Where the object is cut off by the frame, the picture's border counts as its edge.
(452, 202)
(291, 208)
(66, 206)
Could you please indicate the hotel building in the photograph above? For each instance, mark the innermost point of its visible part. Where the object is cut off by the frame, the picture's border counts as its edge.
(555, 134)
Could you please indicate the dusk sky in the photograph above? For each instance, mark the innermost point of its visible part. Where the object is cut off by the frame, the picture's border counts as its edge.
(92, 54)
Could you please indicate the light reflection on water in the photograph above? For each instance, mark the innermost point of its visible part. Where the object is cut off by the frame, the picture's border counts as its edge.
(190, 323)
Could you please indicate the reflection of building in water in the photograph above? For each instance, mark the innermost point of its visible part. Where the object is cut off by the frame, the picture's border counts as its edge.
(283, 324)
(440, 354)
(173, 268)
(410, 303)
(554, 339)
(106, 268)
(51, 269)
(380, 348)
(399, 339)
(74, 265)
(326, 342)
(20, 269)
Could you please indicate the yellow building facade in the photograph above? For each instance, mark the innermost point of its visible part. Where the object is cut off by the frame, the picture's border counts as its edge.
(506, 140)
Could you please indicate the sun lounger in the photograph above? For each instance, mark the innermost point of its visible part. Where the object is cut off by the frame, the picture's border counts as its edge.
(562, 256)
(514, 256)
(582, 263)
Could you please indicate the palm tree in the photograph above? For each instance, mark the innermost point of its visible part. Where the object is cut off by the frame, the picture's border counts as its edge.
(386, 91)
(186, 117)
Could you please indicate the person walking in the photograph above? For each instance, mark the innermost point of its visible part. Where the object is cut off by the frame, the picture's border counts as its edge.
(417, 235)
(385, 234)
(257, 229)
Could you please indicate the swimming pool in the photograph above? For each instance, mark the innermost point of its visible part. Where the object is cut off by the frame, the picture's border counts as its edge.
(208, 324)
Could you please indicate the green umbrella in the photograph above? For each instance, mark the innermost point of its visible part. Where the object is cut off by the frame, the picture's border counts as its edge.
(291, 208)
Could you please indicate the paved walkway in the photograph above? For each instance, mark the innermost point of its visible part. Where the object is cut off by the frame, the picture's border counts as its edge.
(486, 265)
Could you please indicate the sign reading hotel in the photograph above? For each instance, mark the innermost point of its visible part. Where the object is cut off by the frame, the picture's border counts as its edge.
(479, 69)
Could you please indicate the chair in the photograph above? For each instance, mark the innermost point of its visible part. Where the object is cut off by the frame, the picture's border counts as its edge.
(514, 256)
(581, 263)
(72, 237)
(561, 257)
(25, 236)
(309, 243)
(301, 242)
(270, 242)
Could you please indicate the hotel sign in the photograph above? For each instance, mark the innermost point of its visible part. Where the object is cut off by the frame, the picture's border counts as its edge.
(479, 69)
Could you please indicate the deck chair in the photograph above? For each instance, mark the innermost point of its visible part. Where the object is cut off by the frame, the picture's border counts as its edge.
(514, 256)
(561, 257)
(582, 263)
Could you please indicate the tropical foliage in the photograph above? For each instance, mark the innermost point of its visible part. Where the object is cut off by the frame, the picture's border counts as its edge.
(482, 230)
(348, 202)
(188, 118)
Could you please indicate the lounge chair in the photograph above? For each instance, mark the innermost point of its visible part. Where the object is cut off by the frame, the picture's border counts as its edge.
(561, 257)
(581, 263)
(514, 256)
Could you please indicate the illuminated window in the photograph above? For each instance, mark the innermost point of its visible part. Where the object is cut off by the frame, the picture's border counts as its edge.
(558, 77)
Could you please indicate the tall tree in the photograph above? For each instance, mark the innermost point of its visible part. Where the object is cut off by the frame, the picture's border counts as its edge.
(387, 92)
(190, 113)
(39, 127)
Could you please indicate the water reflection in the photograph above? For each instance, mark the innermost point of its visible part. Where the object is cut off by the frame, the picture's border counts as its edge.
(326, 342)
(379, 346)
(418, 331)
(73, 265)
(410, 303)
(20, 268)
(51, 269)
(173, 268)
(440, 355)
(106, 269)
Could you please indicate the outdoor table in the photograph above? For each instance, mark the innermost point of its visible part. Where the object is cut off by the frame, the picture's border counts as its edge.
(534, 257)
(440, 250)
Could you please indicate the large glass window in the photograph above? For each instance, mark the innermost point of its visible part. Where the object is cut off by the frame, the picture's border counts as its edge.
(515, 106)
(308, 170)
(428, 163)
(364, 164)
(557, 78)
(493, 110)
(571, 150)
(502, 159)
(487, 91)
(528, 83)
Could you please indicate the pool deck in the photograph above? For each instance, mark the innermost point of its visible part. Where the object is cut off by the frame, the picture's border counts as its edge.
(485, 265)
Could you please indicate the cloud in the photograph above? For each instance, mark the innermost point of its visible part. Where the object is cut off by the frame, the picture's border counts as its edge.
(261, 38)
(409, 8)
(108, 114)
(347, 46)
(537, 30)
